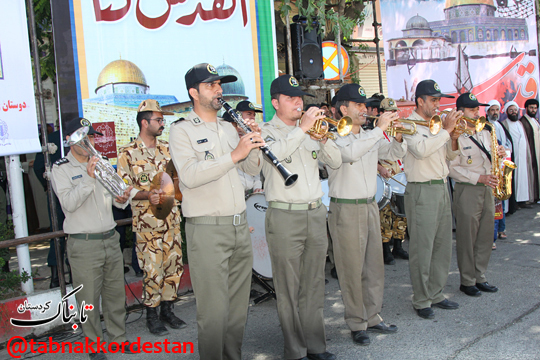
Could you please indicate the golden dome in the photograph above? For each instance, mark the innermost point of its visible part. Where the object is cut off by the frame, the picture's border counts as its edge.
(452, 3)
(121, 71)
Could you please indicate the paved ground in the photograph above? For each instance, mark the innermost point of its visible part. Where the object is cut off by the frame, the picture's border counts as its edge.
(504, 325)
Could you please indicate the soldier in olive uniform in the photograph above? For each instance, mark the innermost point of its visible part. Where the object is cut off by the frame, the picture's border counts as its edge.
(159, 248)
(427, 201)
(93, 246)
(474, 204)
(296, 221)
(206, 152)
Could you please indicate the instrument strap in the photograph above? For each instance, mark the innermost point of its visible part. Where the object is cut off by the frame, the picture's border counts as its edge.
(481, 147)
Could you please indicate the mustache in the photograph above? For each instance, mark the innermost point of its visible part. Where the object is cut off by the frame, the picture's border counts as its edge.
(162, 128)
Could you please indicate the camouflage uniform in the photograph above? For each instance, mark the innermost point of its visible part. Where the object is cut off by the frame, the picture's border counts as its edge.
(392, 225)
(158, 241)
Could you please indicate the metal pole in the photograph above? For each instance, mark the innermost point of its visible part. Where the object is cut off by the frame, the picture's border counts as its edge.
(50, 195)
(376, 41)
(18, 207)
(340, 67)
(289, 45)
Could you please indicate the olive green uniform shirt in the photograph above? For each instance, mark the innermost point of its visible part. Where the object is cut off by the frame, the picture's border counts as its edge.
(300, 155)
(208, 177)
(427, 154)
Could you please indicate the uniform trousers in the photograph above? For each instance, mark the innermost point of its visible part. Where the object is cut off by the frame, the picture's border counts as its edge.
(297, 242)
(474, 207)
(429, 218)
(358, 252)
(221, 261)
(159, 255)
(98, 266)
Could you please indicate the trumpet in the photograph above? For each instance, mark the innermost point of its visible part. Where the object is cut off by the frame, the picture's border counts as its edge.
(320, 129)
(461, 126)
(434, 125)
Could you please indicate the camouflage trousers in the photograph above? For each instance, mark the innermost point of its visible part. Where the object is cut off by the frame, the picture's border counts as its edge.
(392, 226)
(160, 257)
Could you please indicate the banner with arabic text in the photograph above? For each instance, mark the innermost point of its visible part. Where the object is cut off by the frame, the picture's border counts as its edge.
(18, 119)
(126, 51)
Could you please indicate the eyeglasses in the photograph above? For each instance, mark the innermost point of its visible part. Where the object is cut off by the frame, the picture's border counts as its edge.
(159, 120)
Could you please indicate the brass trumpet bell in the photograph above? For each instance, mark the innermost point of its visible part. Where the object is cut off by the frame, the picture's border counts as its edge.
(321, 128)
(461, 126)
(434, 125)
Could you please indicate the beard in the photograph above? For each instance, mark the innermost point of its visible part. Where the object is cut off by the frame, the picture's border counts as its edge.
(512, 117)
(493, 117)
(531, 113)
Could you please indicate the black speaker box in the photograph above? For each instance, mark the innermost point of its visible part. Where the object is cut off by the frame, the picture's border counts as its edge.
(306, 51)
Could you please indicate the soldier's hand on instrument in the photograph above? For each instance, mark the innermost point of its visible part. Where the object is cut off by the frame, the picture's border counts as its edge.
(454, 135)
(501, 151)
(310, 116)
(385, 173)
(154, 196)
(245, 145)
(385, 119)
(91, 166)
(258, 191)
(252, 125)
(489, 180)
(125, 197)
(450, 120)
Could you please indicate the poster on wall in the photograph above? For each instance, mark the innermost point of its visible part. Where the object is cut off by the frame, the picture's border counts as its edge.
(128, 51)
(481, 46)
(18, 117)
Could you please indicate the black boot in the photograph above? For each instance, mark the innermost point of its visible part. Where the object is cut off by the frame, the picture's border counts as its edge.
(55, 282)
(387, 254)
(153, 323)
(167, 315)
(398, 250)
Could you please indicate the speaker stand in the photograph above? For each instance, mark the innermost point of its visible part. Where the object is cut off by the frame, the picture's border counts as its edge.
(264, 282)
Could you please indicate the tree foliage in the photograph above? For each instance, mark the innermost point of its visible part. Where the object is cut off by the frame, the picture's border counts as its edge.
(337, 16)
(43, 19)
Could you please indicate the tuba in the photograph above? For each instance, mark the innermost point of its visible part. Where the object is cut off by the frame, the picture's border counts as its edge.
(503, 191)
(104, 171)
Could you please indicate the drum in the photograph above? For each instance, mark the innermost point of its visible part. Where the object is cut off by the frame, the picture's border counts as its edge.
(384, 192)
(325, 198)
(398, 184)
(256, 206)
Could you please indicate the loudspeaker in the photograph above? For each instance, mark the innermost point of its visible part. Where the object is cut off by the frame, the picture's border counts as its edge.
(306, 50)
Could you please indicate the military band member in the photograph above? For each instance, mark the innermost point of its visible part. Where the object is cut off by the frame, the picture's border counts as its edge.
(93, 245)
(354, 215)
(296, 220)
(247, 110)
(206, 151)
(427, 202)
(393, 227)
(159, 246)
(473, 201)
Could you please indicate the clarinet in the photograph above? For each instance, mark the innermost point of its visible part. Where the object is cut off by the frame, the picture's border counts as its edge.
(289, 177)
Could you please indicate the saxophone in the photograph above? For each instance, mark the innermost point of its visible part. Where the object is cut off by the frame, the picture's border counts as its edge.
(503, 191)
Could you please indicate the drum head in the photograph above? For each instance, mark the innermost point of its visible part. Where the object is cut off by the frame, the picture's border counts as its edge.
(383, 192)
(256, 207)
(398, 183)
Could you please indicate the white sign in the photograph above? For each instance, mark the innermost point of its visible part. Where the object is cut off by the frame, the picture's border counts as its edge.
(18, 119)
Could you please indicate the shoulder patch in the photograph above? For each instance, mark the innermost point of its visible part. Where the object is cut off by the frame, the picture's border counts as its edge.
(61, 161)
(177, 121)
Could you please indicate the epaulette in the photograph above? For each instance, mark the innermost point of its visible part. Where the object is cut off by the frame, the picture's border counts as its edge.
(61, 161)
(177, 121)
